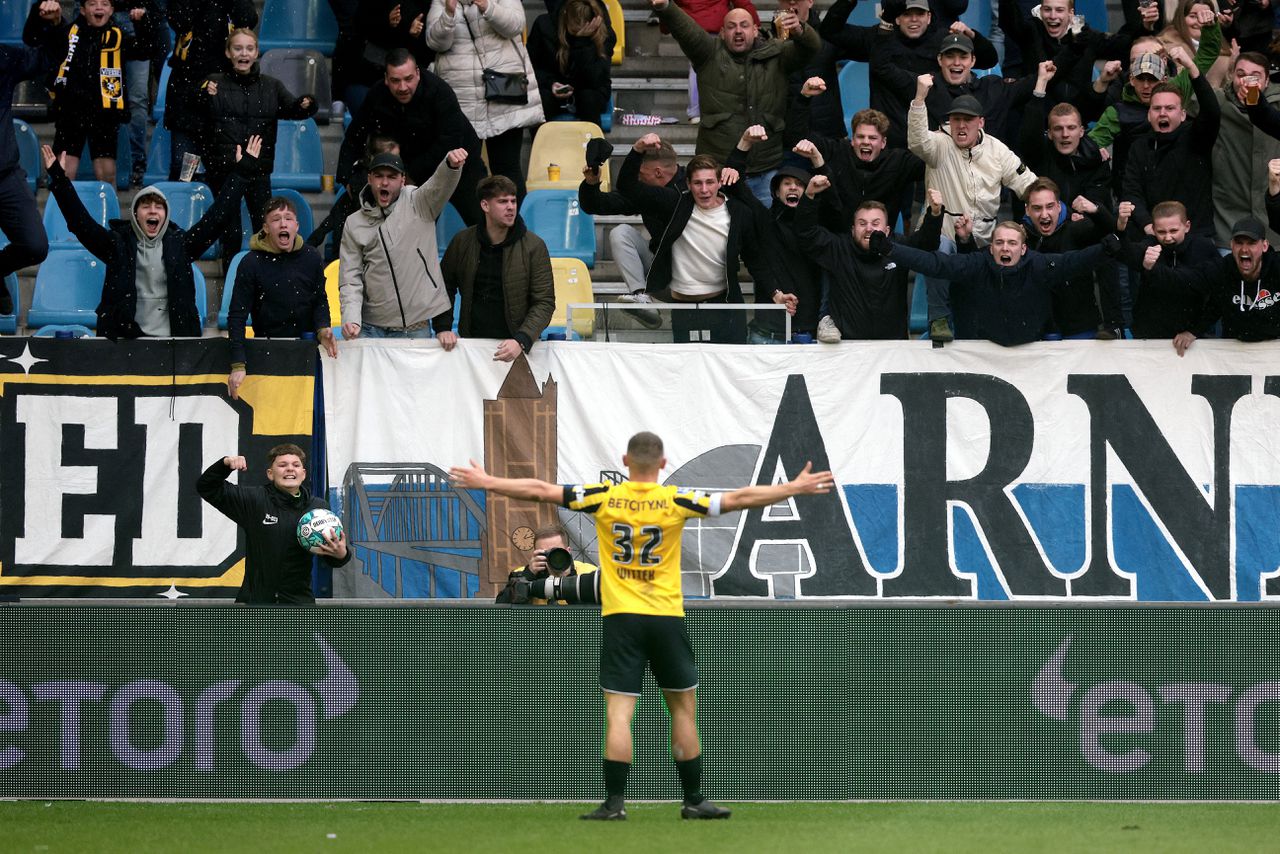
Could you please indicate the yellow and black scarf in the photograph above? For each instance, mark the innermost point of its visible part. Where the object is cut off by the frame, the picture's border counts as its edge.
(110, 66)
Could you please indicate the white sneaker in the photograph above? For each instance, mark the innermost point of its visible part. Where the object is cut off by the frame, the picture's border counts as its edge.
(648, 317)
(828, 332)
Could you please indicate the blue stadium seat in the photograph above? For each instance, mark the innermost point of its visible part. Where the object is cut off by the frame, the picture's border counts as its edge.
(228, 285)
(13, 17)
(1095, 12)
(994, 70)
(303, 72)
(978, 16)
(298, 24)
(306, 218)
(855, 86)
(449, 223)
(52, 330)
(556, 217)
(124, 161)
(98, 198)
(9, 322)
(606, 118)
(202, 294)
(29, 152)
(919, 322)
(68, 289)
(188, 201)
(157, 109)
(158, 152)
(299, 156)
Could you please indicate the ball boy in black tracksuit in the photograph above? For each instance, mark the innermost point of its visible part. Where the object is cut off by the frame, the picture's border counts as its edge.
(276, 568)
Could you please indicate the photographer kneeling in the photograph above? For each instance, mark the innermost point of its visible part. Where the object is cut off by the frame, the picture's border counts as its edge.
(551, 559)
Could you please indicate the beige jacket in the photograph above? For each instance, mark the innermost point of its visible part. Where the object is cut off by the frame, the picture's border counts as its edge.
(969, 179)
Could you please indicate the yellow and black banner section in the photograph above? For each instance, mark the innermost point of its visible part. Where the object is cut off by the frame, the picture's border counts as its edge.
(102, 443)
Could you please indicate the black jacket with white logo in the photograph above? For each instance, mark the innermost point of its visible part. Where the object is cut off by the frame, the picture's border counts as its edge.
(276, 568)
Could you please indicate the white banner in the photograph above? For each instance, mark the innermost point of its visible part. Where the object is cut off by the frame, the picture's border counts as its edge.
(1057, 470)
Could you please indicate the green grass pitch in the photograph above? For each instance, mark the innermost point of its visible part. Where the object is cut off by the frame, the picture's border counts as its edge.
(43, 826)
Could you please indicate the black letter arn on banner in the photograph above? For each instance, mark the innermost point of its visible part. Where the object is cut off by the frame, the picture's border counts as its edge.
(926, 492)
(808, 548)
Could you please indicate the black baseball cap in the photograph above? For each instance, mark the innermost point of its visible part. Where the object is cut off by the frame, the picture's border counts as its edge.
(956, 41)
(965, 105)
(1249, 227)
(387, 160)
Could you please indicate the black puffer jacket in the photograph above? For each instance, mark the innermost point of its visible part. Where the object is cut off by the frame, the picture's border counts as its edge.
(199, 50)
(117, 247)
(246, 105)
(277, 570)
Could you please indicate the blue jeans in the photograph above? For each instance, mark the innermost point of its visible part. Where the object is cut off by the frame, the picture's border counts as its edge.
(939, 290)
(759, 185)
(368, 330)
(137, 82)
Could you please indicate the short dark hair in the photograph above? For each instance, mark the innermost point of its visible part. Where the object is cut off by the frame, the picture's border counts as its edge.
(1064, 109)
(1041, 184)
(664, 153)
(872, 205)
(279, 203)
(397, 57)
(494, 186)
(1169, 87)
(700, 162)
(380, 143)
(285, 450)
(550, 531)
(1254, 57)
(1167, 209)
(644, 449)
(875, 118)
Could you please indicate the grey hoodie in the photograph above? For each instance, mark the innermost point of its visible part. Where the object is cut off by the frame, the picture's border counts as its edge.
(152, 312)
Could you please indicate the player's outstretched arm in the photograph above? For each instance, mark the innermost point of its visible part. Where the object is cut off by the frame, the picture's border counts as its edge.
(808, 482)
(473, 476)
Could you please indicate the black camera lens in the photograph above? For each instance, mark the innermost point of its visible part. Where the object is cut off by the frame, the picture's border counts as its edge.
(559, 560)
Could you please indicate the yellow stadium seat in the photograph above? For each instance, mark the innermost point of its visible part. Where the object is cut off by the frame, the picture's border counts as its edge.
(331, 290)
(564, 144)
(619, 29)
(573, 284)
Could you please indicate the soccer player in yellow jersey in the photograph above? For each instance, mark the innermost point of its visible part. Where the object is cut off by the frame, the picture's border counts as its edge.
(638, 528)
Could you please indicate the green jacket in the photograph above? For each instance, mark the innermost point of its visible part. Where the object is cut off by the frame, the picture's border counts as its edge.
(1108, 126)
(736, 92)
(528, 285)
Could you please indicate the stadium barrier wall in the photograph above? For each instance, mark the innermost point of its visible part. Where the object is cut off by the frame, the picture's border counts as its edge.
(817, 702)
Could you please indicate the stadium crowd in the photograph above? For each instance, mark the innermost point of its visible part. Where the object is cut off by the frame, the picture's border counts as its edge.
(1049, 179)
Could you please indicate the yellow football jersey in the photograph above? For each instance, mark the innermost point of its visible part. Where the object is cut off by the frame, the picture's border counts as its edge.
(638, 530)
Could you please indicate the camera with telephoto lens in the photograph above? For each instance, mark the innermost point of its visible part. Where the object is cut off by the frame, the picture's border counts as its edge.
(559, 559)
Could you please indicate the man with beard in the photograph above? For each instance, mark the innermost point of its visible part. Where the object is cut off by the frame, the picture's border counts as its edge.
(1175, 161)
(1003, 295)
(390, 285)
(280, 283)
(970, 168)
(1088, 306)
(742, 81)
(869, 298)
(799, 276)
(1243, 290)
(1167, 299)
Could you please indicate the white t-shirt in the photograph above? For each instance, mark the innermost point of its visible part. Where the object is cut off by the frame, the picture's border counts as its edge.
(698, 255)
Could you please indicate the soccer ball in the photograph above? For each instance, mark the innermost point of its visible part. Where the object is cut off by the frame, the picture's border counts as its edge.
(314, 523)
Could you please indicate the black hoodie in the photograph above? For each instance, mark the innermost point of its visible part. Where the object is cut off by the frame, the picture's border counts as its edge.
(277, 569)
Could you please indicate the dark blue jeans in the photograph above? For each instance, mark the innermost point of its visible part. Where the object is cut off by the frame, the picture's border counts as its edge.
(20, 222)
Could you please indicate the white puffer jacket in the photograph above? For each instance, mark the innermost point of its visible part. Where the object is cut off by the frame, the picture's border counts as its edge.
(498, 45)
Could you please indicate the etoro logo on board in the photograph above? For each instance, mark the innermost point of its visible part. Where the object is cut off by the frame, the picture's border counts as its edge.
(187, 725)
(1097, 715)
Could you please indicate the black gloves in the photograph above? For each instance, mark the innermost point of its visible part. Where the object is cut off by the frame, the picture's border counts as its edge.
(1111, 245)
(880, 243)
